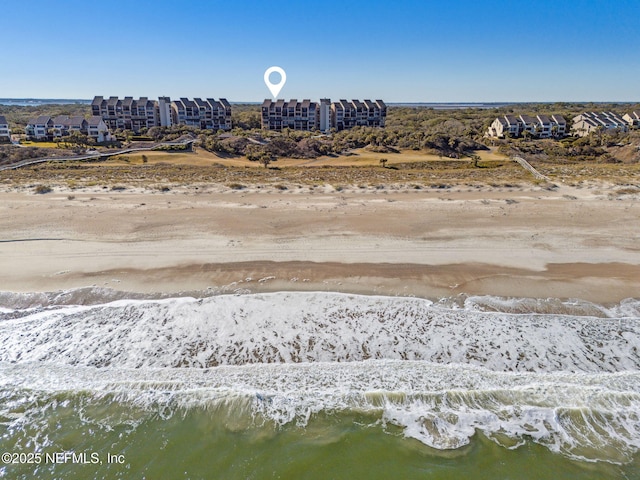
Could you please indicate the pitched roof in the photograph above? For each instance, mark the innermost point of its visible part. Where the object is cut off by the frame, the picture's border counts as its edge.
(215, 105)
(94, 121)
(527, 119)
(589, 121)
(267, 103)
(543, 119)
(201, 103)
(188, 103)
(76, 121)
(41, 120)
(145, 102)
(224, 103)
(61, 120)
(381, 104)
(3, 120)
(559, 119)
(97, 100)
(511, 119)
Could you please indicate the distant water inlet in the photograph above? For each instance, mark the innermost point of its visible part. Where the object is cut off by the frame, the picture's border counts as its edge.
(558, 384)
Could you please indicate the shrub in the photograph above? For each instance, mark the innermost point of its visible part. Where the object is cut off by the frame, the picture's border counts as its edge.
(42, 189)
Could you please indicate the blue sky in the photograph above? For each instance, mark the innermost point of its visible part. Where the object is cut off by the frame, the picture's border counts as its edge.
(429, 51)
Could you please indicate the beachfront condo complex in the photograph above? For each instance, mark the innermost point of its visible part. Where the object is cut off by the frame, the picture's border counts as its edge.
(323, 115)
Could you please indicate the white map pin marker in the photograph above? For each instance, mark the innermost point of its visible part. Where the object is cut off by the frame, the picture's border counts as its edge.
(275, 88)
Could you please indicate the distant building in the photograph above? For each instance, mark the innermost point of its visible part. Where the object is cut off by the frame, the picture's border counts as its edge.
(40, 128)
(323, 116)
(209, 114)
(528, 124)
(129, 114)
(559, 124)
(63, 125)
(135, 115)
(503, 126)
(348, 114)
(5, 132)
(633, 119)
(98, 130)
(588, 122)
(164, 111)
(185, 112)
(292, 114)
(540, 126)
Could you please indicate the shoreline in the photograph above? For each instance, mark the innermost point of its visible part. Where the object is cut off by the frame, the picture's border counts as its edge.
(605, 284)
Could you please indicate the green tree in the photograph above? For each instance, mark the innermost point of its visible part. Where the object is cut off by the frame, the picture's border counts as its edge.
(266, 159)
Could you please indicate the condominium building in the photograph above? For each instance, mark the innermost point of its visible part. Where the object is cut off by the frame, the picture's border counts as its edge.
(292, 114)
(323, 116)
(164, 111)
(633, 119)
(131, 114)
(5, 132)
(63, 125)
(208, 114)
(540, 126)
(98, 130)
(40, 128)
(559, 124)
(588, 122)
(503, 126)
(348, 114)
(127, 114)
(214, 115)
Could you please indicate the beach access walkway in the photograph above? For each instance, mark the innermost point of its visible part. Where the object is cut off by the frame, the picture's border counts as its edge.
(527, 166)
(94, 155)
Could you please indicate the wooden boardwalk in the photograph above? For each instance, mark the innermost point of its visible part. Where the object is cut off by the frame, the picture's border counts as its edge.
(527, 166)
(88, 156)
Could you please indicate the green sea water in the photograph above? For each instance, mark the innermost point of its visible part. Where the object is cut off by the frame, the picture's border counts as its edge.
(218, 444)
(310, 385)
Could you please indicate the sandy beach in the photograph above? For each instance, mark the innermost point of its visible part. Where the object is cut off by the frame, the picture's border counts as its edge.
(529, 242)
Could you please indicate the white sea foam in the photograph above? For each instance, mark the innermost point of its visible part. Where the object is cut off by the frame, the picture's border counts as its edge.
(589, 416)
(315, 327)
(439, 371)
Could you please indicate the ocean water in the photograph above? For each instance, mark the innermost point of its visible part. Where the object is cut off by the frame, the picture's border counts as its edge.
(97, 384)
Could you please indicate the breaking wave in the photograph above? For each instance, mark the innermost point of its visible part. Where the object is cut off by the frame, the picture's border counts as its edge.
(565, 376)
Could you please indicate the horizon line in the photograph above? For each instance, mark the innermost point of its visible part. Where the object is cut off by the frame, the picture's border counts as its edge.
(400, 102)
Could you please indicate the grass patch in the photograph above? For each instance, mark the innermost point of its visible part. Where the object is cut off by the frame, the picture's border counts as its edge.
(39, 144)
